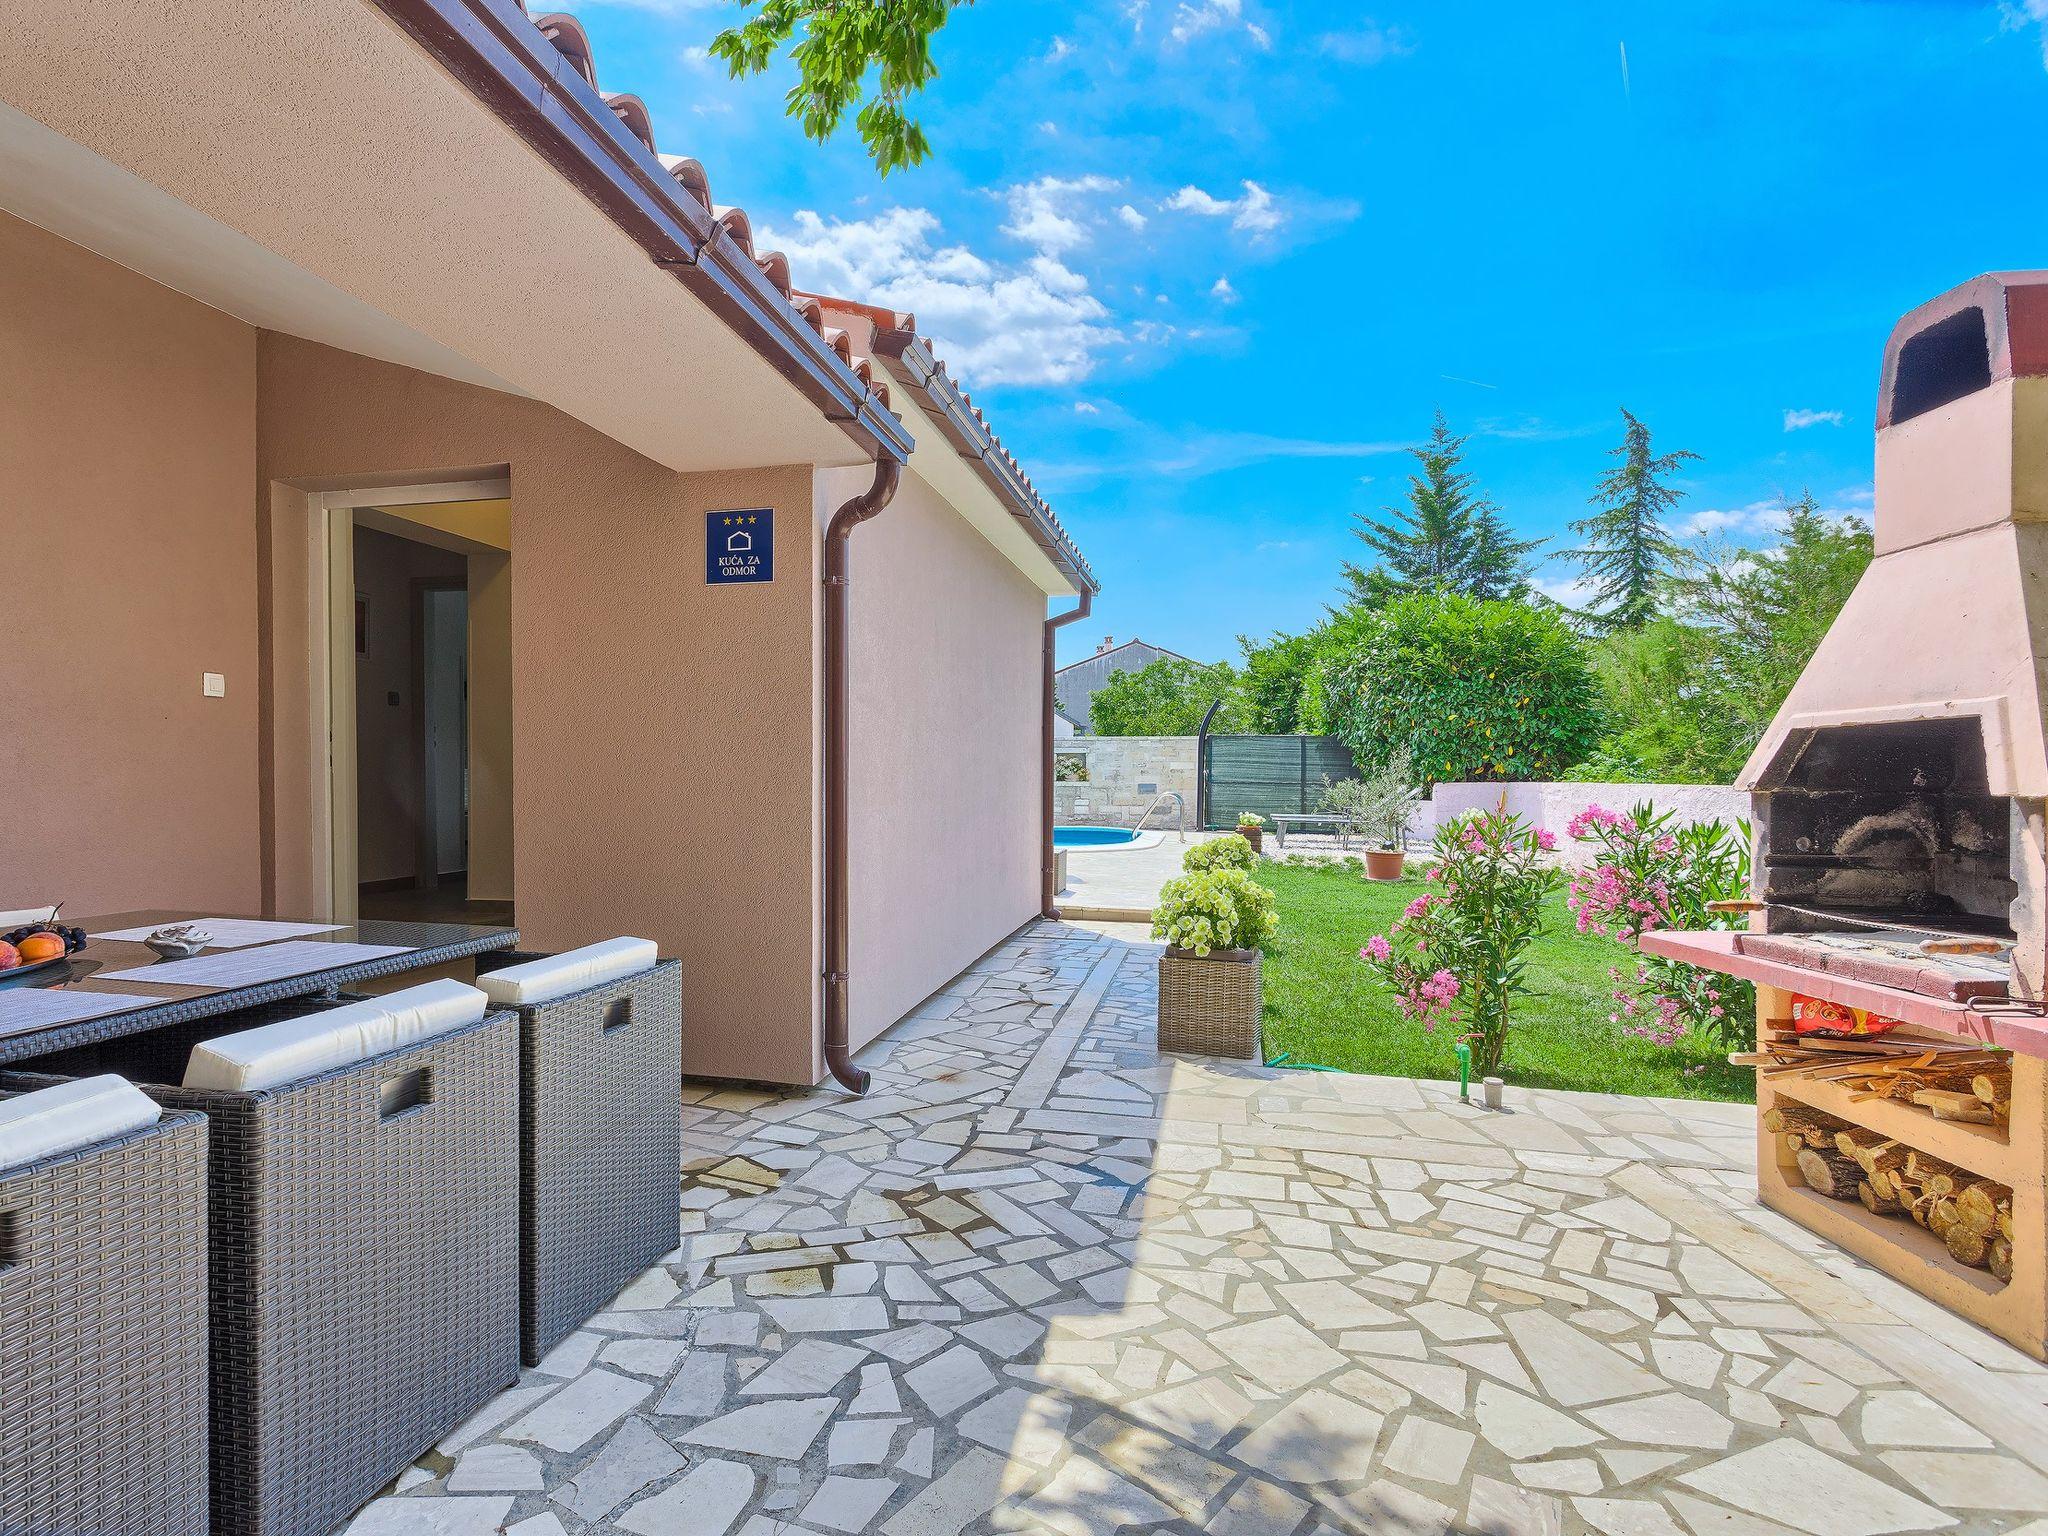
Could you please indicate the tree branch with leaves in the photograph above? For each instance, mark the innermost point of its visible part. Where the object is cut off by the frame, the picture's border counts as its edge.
(836, 46)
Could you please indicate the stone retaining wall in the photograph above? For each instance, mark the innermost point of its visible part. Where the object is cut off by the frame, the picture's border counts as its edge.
(1125, 775)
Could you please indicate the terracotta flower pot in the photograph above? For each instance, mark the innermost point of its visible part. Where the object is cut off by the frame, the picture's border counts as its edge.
(1256, 836)
(1385, 864)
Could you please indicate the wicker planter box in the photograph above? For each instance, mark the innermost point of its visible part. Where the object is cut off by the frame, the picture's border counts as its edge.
(103, 1337)
(600, 1145)
(1209, 1005)
(365, 1260)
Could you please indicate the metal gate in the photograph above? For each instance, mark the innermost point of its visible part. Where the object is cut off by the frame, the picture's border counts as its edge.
(1273, 775)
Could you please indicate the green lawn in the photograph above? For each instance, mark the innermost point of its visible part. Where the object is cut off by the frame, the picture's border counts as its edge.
(1323, 1005)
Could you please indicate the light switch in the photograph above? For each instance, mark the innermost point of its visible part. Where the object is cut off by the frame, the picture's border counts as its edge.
(213, 685)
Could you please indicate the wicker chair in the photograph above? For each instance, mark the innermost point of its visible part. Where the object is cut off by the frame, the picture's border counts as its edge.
(600, 1144)
(365, 1295)
(103, 1336)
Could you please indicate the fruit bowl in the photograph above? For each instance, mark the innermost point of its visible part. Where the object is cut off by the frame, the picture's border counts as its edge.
(36, 948)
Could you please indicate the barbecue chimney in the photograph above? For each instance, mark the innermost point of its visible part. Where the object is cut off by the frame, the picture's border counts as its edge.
(1904, 779)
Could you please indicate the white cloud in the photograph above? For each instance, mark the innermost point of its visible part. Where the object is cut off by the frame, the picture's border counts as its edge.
(1256, 212)
(1087, 408)
(1198, 18)
(1368, 45)
(1765, 519)
(1222, 292)
(1798, 421)
(993, 323)
(1571, 591)
(1207, 453)
(1047, 214)
(1060, 49)
(1195, 17)
(2018, 15)
(1131, 217)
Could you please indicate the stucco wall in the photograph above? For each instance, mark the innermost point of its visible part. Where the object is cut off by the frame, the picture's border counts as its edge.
(944, 841)
(1119, 769)
(1552, 806)
(129, 568)
(663, 733)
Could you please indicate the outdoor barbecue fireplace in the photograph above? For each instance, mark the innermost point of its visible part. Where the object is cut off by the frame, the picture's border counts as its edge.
(1898, 795)
(1899, 917)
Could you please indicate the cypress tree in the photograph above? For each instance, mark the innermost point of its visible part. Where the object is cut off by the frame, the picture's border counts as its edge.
(1627, 551)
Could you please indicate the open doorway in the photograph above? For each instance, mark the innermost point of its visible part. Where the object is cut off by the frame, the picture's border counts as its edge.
(422, 706)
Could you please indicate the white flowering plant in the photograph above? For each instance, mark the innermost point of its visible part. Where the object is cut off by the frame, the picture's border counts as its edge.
(1231, 852)
(1214, 909)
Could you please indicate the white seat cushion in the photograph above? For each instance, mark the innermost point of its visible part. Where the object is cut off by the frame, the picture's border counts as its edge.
(294, 1049)
(574, 970)
(50, 1121)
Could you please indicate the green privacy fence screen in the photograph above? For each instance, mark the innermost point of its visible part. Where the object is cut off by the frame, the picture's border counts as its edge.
(1273, 775)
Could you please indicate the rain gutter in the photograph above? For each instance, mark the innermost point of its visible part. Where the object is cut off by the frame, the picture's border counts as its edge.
(504, 60)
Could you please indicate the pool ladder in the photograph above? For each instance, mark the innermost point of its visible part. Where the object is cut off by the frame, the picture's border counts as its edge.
(1180, 812)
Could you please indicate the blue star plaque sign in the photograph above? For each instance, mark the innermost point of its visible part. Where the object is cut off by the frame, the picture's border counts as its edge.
(739, 547)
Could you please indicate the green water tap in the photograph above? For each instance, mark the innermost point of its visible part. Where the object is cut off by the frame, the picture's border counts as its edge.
(1464, 1054)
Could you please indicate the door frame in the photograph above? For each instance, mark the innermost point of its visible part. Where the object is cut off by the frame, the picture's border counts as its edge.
(333, 587)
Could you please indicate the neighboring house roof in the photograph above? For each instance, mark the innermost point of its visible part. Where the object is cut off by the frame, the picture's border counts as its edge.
(909, 359)
(539, 75)
(1158, 650)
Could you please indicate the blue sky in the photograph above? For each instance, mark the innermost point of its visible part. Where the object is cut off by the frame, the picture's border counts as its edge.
(1209, 265)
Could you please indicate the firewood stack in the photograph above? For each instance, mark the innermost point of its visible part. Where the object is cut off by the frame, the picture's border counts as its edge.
(1950, 1080)
(1972, 1216)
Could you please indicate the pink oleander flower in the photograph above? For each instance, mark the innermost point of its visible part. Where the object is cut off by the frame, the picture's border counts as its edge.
(1377, 949)
(1546, 840)
(1420, 906)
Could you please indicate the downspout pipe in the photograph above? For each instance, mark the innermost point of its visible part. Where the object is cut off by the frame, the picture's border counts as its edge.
(838, 712)
(1049, 888)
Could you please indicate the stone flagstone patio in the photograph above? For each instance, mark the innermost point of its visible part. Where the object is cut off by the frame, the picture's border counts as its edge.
(1042, 1279)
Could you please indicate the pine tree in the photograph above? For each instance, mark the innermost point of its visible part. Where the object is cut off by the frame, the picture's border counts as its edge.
(1627, 552)
(1500, 562)
(1446, 539)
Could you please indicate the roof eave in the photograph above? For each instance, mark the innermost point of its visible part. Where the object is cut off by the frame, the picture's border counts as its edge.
(910, 361)
(497, 52)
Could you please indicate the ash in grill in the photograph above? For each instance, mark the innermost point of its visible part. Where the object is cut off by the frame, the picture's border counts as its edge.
(1898, 796)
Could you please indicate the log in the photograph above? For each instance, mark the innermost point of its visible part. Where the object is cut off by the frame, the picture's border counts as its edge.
(1967, 1247)
(1854, 1141)
(1951, 1104)
(1797, 1117)
(1998, 1256)
(1873, 1202)
(1977, 1206)
(1829, 1173)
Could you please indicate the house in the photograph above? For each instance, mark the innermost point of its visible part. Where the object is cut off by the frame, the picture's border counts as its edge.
(1075, 684)
(420, 491)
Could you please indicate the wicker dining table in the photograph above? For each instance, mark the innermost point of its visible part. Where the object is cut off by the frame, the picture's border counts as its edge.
(110, 972)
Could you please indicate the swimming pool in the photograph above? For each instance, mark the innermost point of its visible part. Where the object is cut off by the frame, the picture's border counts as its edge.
(1100, 837)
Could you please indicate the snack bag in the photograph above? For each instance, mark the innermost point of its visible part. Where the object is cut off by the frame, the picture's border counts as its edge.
(1818, 1016)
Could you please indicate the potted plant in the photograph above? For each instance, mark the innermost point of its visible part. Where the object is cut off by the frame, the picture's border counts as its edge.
(1213, 922)
(1376, 808)
(1249, 825)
